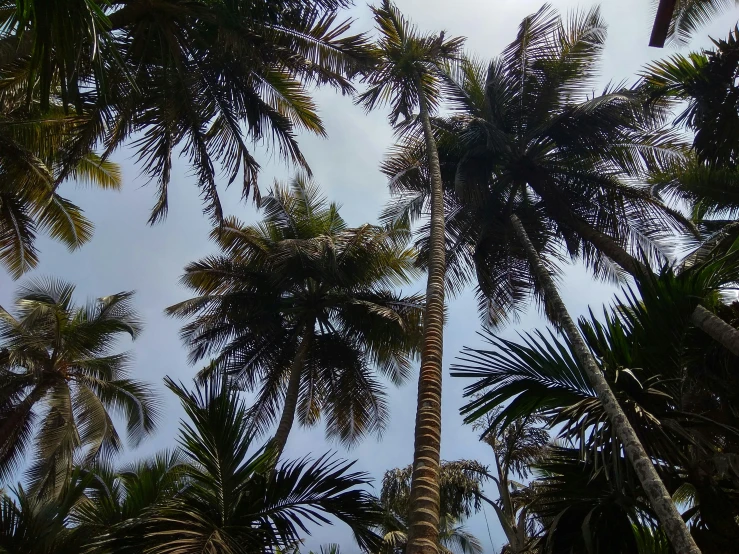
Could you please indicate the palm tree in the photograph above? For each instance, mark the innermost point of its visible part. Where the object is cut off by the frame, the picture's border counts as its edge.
(209, 493)
(233, 501)
(33, 525)
(703, 85)
(679, 19)
(531, 149)
(517, 446)
(407, 75)
(655, 489)
(32, 147)
(57, 364)
(300, 307)
(675, 386)
(460, 487)
(202, 77)
(119, 499)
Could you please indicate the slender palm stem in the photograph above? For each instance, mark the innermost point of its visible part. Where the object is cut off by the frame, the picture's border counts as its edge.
(716, 328)
(423, 527)
(293, 390)
(659, 498)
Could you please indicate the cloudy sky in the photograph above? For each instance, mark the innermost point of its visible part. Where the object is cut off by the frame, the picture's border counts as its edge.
(126, 254)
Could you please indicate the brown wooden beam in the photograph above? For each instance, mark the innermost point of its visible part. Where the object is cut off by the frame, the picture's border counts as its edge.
(662, 23)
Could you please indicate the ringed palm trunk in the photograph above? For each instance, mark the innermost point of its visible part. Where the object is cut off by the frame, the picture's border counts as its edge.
(293, 390)
(423, 522)
(653, 486)
(703, 319)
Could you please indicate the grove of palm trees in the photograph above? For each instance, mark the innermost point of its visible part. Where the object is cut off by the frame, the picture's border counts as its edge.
(315, 276)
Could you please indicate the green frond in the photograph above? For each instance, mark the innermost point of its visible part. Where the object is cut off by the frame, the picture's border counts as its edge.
(236, 500)
(408, 66)
(690, 15)
(98, 172)
(17, 236)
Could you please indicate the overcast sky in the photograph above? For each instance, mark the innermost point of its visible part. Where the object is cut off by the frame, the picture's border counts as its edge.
(126, 254)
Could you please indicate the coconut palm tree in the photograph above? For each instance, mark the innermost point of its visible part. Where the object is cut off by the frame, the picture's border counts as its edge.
(239, 502)
(460, 487)
(62, 382)
(531, 149)
(654, 488)
(300, 307)
(205, 78)
(407, 75)
(527, 136)
(674, 385)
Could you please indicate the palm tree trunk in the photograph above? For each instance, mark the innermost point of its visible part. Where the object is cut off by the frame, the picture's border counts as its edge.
(662, 20)
(293, 391)
(507, 513)
(707, 321)
(716, 328)
(653, 486)
(423, 523)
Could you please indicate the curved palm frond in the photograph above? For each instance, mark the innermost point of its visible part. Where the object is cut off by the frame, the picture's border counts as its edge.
(239, 501)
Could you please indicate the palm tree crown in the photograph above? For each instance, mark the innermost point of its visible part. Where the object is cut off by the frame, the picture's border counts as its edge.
(460, 487)
(406, 72)
(300, 307)
(61, 381)
(526, 137)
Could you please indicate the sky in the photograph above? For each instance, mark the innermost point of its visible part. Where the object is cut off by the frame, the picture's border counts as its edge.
(127, 254)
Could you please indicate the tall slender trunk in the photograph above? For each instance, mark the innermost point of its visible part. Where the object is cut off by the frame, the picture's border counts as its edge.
(662, 20)
(653, 486)
(705, 320)
(423, 523)
(293, 390)
(507, 513)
